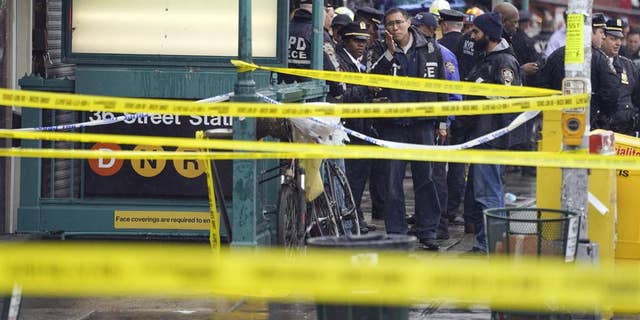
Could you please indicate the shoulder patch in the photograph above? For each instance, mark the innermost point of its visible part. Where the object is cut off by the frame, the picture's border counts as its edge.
(507, 75)
(450, 67)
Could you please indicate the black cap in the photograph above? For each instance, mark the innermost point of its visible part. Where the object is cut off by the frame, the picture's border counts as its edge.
(450, 15)
(357, 30)
(426, 19)
(369, 14)
(598, 21)
(614, 28)
(341, 20)
(524, 16)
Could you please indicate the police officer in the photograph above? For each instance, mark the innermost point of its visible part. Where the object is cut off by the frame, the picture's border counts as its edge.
(350, 50)
(300, 37)
(406, 52)
(451, 24)
(485, 185)
(426, 22)
(604, 81)
(623, 118)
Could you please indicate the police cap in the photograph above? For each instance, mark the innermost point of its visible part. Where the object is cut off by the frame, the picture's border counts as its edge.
(357, 30)
(598, 21)
(369, 14)
(451, 15)
(614, 28)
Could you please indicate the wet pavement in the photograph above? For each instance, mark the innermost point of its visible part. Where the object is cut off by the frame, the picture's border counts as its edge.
(220, 309)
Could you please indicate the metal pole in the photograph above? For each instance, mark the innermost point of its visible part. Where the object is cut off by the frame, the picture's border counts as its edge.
(318, 35)
(244, 171)
(574, 195)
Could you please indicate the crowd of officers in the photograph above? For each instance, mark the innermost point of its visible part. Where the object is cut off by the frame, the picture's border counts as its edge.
(480, 45)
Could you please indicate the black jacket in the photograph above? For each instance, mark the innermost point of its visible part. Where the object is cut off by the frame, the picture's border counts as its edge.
(523, 46)
(625, 113)
(501, 67)
(466, 54)
(429, 62)
(604, 83)
(300, 53)
(450, 40)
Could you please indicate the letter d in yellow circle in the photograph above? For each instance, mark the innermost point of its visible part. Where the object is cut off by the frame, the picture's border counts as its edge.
(148, 168)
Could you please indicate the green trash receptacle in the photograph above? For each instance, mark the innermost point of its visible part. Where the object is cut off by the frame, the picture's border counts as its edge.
(364, 244)
(532, 232)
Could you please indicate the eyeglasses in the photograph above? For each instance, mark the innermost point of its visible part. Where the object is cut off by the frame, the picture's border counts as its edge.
(391, 24)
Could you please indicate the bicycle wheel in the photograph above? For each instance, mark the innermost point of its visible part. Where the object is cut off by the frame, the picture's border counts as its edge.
(323, 219)
(289, 227)
(341, 199)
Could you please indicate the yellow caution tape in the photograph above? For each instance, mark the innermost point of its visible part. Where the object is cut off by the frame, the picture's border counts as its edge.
(406, 83)
(274, 150)
(280, 150)
(214, 225)
(87, 103)
(99, 269)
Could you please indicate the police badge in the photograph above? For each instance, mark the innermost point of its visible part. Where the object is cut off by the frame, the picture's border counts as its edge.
(623, 77)
(430, 47)
(507, 76)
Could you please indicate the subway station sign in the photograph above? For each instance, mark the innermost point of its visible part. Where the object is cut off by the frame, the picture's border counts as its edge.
(152, 178)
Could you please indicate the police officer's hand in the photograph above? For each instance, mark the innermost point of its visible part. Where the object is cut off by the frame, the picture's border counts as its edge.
(530, 68)
(388, 40)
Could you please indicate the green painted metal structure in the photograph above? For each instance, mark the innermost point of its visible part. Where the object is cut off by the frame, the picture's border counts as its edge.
(42, 210)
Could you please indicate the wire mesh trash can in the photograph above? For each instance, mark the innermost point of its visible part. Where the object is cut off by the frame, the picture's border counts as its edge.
(531, 232)
(365, 245)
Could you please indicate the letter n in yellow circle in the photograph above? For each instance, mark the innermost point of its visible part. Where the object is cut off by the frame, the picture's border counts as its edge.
(188, 168)
(148, 168)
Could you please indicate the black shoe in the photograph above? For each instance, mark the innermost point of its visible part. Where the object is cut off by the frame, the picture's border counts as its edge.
(430, 244)
(371, 227)
(365, 227)
(412, 232)
(411, 220)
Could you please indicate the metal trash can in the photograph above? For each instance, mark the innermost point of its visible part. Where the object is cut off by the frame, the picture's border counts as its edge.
(366, 244)
(531, 232)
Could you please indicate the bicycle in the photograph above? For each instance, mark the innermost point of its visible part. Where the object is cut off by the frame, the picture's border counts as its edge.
(332, 213)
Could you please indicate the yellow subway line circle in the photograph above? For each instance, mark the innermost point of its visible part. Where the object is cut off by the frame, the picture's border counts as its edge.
(88, 103)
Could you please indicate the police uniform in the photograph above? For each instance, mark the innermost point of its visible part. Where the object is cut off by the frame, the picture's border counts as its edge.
(450, 39)
(300, 37)
(624, 117)
(358, 171)
(604, 81)
(423, 60)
